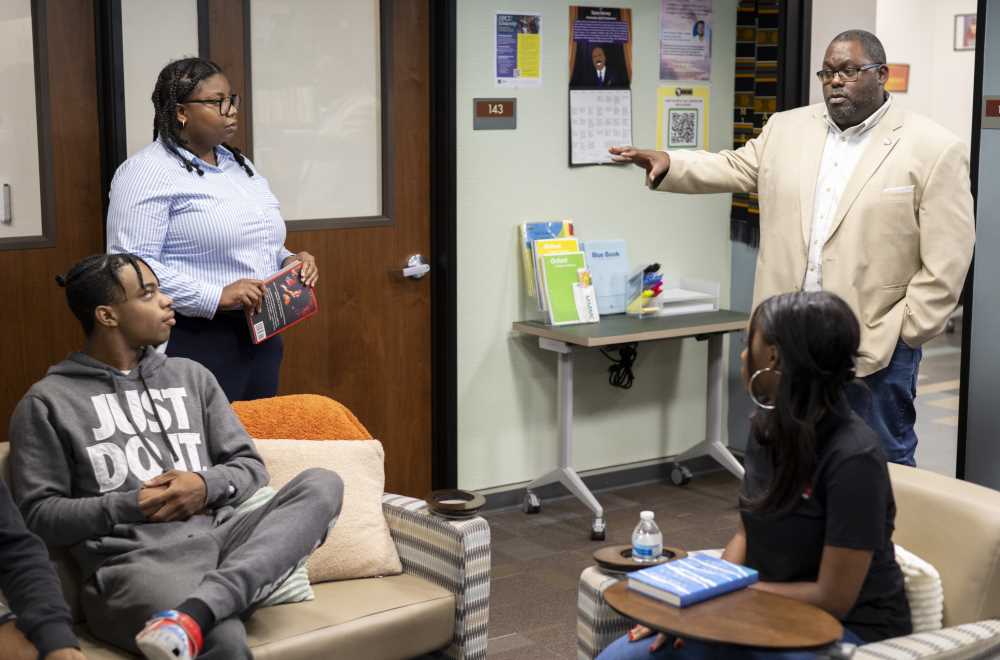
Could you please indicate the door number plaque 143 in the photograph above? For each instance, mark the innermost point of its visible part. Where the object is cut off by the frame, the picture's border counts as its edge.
(494, 114)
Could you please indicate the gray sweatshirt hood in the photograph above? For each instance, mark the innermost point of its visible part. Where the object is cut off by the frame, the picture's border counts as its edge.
(81, 365)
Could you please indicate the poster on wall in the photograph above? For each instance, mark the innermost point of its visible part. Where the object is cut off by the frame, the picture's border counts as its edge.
(682, 117)
(600, 55)
(600, 75)
(685, 39)
(518, 52)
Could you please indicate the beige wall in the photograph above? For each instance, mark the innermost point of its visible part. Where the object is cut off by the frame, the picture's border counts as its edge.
(941, 78)
(830, 18)
(914, 32)
(506, 384)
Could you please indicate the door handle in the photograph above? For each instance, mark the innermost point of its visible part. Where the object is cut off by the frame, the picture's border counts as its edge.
(415, 267)
(6, 215)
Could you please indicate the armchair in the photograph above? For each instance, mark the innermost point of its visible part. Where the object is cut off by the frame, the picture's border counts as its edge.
(954, 525)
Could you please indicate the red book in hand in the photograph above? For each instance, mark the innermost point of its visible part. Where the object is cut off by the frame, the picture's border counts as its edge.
(286, 301)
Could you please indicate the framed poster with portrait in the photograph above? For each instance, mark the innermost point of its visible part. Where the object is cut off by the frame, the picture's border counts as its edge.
(965, 31)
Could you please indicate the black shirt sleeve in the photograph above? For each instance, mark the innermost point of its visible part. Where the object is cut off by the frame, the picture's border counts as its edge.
(856, 493)
(30, 583)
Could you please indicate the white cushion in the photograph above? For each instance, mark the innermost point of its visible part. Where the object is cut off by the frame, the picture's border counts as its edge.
(359, 545)
(923, 591)
(296, 587)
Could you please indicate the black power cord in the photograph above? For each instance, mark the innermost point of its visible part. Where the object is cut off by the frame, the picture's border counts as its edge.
(620, 373)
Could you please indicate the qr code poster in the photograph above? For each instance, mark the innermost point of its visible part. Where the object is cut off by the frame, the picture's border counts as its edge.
(682, 118)
(682, 128)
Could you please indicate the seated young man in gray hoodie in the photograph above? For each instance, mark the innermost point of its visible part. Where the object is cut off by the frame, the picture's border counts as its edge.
(136, 460)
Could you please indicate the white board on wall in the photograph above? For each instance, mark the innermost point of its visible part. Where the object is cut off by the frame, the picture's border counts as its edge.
(19, 122)
(153, 34)
(317, 105)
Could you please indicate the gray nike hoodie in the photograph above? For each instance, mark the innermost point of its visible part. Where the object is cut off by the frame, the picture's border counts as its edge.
(86, 436)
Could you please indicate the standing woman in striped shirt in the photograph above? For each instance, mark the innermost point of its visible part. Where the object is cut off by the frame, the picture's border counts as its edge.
(196, 210)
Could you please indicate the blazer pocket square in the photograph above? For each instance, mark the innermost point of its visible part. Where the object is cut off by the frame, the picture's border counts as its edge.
(898, 190)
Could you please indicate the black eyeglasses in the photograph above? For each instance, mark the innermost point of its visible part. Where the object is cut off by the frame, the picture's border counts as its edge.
(847, 74)
(226, 105)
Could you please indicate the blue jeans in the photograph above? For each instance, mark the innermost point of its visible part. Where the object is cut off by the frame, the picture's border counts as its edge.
(623, 649)
(886, 404)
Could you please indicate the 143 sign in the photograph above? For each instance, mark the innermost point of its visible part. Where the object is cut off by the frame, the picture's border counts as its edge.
(493, 114)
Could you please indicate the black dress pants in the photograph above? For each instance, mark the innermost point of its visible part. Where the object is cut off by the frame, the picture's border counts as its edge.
(222, 344)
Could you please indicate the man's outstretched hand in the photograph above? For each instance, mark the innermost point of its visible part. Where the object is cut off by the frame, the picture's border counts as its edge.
(656, 163)
(174, 495)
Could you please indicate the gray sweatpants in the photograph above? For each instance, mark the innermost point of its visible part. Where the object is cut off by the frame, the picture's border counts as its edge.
(230, 567)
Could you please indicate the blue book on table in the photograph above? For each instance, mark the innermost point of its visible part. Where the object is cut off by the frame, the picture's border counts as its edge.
(691, 580)
(608, 264)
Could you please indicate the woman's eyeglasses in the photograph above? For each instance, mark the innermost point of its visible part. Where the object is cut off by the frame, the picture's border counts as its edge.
(227, 105)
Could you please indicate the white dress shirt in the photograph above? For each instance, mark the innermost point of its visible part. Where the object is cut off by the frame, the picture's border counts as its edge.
(197, 233)
(841, 154)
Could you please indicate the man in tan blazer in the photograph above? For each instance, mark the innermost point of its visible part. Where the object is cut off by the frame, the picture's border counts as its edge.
(860, 198)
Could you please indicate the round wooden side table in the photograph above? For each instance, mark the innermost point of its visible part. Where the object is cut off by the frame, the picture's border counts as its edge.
(747, 617)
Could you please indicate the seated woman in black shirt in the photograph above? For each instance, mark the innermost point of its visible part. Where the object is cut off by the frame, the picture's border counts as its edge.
(817, 511)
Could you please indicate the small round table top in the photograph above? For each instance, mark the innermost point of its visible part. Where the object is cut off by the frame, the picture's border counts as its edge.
(747, 617)
(619, 558)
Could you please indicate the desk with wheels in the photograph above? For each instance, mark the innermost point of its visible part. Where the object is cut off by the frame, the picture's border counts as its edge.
(565, 340)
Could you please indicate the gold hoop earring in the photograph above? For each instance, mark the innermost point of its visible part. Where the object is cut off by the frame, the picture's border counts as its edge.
(753, 397)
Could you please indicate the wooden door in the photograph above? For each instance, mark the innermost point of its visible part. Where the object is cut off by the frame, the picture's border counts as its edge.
(370, 345)
(36, 327)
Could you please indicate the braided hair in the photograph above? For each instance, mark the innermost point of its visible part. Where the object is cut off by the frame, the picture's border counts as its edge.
(174, 85)
(94, 281)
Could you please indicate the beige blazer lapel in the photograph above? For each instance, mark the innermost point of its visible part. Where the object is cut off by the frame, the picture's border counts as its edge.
(813, 143)
(885, 136)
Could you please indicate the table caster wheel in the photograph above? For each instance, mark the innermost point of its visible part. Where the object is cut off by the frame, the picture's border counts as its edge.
(597, 529)
(531, 504)
(680, 475)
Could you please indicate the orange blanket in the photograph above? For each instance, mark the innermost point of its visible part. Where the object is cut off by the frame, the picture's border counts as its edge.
(300, 417)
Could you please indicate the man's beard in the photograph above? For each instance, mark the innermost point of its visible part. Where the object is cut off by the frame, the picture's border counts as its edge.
(842, 112)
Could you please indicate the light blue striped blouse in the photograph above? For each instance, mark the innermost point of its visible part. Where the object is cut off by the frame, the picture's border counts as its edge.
(197, 233)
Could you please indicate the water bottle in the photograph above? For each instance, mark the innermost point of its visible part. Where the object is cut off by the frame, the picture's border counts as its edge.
(647, 539)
